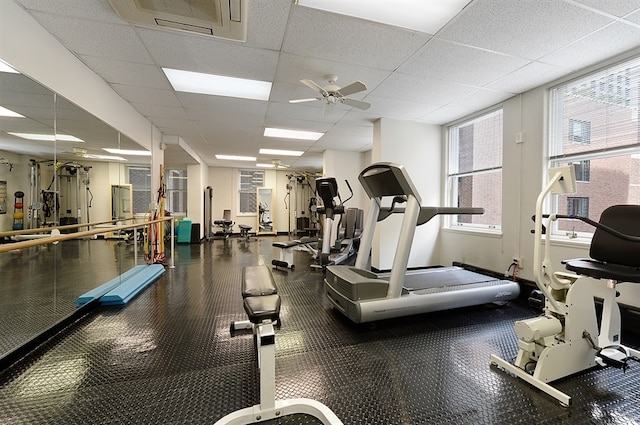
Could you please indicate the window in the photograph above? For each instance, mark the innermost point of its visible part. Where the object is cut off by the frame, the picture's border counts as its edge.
(602, 107)
(582, 170)
(176, 193)
(250, 181)
(578, 206)
(475, 170)
(176, 189)
(579, 131)
(140, 180)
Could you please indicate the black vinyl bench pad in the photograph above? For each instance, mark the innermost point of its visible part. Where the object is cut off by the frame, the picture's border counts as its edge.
(285, 245)
(266, 307)
(257, 281)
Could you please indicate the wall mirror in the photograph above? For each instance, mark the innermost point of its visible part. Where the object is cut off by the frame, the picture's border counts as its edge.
(121, 201)
(265, 211)
(63, 161)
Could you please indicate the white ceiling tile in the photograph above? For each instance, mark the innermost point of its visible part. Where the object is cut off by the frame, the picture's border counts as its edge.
(528, 77)
(421, 89)
(137, 94)
(603, 44)
(525, 28)
(172, 49)
(161, 111)
(328, 36)
(267, 21)
(113, 41)
(634, 18)
(443, 60)
(127, 73)
(618, 8)
(91, 10)
(398, 108)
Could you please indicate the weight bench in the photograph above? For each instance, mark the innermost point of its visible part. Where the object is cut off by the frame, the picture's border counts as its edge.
(286, 254)
(244, 232)
(262, 305)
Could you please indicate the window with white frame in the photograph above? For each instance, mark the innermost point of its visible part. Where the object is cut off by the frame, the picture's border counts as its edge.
(249, 182)
(475, 170)
(140, 180)
(608, 165)
(176, 189)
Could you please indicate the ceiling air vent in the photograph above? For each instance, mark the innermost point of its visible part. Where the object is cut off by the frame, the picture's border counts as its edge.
(219, 18)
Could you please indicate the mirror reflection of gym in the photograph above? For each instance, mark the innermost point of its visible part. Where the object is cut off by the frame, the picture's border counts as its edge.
(265, 214)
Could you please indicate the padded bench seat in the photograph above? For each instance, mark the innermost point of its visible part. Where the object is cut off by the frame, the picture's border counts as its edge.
(257, 281)
(286, 245)
(266, 307)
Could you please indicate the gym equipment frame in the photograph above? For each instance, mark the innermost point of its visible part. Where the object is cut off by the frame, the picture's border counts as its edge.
(364, 296)
(565, 340)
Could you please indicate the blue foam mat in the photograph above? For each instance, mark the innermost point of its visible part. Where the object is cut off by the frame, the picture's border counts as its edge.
(129, 288)
(96, 293)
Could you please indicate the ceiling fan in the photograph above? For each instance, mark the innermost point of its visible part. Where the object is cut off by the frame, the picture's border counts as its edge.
(331, 94)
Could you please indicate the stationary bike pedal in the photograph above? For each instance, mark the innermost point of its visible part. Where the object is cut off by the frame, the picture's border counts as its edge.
(615, 356)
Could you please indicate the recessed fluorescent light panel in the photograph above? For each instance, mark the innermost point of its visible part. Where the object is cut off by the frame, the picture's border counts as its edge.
(419, 15)
(217, 85)
(292, 134)
(48, 137)
(265, 165)
(127, 152)
(236, 157)
(280, 152)
(4, 112)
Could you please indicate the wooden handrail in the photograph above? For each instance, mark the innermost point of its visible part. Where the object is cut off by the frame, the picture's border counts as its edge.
(65, 227)
(68, 236)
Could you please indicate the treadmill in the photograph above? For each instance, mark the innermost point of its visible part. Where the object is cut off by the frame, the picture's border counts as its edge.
(364, 296)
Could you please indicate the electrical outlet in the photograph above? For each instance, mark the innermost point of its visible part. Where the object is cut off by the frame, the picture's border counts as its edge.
(518, 261)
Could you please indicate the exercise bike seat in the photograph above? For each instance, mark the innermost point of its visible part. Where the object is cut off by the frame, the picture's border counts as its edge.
(613, 257)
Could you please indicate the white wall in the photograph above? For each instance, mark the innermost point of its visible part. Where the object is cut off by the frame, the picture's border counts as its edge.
(417, 147)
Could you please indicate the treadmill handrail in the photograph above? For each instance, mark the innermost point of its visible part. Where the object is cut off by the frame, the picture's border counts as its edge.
(427, 213)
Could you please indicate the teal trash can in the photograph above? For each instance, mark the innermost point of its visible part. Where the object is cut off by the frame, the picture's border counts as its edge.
(184, 231)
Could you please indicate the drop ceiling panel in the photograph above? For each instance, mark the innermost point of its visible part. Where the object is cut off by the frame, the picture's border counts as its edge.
(522, 28)
(128, 73)
(147, 95)
(613, 39)
(92, 10)
(533, 75)
(172, 49)
(398, 108)
(339, 38)
(113, 41)
(268, 21)
(618, 8)
(443, 60)
(421, 89)
(161, 111)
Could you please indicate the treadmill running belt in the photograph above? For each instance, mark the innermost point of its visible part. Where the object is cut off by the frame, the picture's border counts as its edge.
(436, 278)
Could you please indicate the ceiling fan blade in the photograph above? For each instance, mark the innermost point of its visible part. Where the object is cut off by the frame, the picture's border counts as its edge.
(313, 86)
(356, 103)
(352, 88)
(310, 99)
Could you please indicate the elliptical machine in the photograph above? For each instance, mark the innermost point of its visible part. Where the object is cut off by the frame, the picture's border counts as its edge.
(565, 340)
(327, 190)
